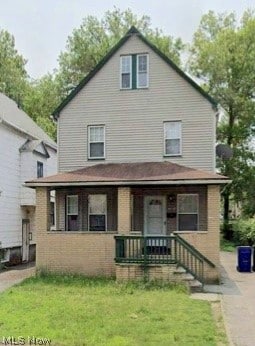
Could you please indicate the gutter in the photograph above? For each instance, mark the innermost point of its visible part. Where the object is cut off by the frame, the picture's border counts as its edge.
(128, 183)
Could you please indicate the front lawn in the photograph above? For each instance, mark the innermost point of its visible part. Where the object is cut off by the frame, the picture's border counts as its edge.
(79, 311)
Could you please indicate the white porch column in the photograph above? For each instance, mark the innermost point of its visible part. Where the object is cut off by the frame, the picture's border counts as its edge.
(124, 210)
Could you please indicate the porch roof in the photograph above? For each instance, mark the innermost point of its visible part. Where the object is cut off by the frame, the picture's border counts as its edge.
(136, 173)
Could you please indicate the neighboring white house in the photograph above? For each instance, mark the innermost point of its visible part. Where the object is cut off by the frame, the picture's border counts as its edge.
(26, 152)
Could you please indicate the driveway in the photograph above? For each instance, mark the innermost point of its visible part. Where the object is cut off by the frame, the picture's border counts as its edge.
(15, 275)
(238, 301)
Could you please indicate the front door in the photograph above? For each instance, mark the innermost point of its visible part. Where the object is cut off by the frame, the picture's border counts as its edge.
(154, 215)
(25, 239)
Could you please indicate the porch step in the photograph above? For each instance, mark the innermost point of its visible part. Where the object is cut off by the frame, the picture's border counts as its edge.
(180, 270)
(195, 286)
(188, 279)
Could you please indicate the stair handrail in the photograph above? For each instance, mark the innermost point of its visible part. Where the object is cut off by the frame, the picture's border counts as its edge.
(194, 250)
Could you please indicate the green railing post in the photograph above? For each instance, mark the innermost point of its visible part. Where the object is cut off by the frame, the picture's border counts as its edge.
(160, 250)
(145, 251)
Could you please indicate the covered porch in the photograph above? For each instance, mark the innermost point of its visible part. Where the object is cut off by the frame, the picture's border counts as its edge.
(106, 226)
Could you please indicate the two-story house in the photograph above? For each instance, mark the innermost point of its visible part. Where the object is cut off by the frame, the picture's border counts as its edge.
(137, 192)
(26, 152)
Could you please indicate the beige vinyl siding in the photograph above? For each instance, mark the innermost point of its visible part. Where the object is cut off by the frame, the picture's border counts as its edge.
(134, 119)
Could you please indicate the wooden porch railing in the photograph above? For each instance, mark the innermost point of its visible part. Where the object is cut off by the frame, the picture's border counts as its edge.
(146, 250)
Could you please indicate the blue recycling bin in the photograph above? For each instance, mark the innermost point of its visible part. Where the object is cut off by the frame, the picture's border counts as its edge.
(244, 259)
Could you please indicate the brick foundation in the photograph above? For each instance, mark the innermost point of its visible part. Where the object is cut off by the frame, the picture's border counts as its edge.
(164, 272)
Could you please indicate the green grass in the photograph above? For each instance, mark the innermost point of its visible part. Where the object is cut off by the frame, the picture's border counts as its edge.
(73, 310)
(227, 245)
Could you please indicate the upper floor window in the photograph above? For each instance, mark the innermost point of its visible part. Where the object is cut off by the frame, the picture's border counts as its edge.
(172, 138)
(187, 210)
(126, 72)
(142, 71)
(39, 169)
(96, 141)
(134, 71)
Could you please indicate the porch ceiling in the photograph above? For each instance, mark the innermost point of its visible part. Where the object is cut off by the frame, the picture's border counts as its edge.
(138, 173)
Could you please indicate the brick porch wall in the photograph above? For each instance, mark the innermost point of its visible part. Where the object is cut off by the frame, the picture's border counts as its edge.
(208, 243)
(89, 253)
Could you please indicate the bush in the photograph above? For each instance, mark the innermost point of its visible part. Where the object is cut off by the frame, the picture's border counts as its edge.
(244, 231)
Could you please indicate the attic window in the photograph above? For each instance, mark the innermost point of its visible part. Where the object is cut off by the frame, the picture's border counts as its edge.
(126, 72)
(142, 71)
(134, 71)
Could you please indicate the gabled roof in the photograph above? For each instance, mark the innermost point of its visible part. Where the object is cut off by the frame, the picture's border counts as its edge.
(132, 31)
(34, 146)
(15, 117)
(137, 173)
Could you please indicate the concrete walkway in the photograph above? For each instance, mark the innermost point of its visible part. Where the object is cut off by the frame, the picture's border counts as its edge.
(15, 275)
(238, 301)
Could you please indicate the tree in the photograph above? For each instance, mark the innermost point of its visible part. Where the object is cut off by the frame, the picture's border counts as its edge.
(222, 56)
(42, 97)
(13, 75)
(37, 98)
(93, 39)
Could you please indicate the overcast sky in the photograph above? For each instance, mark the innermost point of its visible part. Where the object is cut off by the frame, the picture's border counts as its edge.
(41, 27)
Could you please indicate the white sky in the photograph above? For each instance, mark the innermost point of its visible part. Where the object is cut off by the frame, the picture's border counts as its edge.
(41, 27)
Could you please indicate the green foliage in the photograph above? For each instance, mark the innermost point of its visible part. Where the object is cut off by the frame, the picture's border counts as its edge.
(13, 75)
(67, 279)
(74, 310)
(227, 245)
(37, 98)
(244, 231)
(94, 38)
(222, 56)
(42, 98)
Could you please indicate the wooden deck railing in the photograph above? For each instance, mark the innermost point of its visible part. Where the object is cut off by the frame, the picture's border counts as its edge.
(146, 250)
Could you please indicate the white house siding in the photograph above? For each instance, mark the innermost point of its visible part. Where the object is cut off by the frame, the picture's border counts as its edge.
(134, 118)
(16, 201)
(51, 167)
(28, 161)
(28, 167)
(10, 212)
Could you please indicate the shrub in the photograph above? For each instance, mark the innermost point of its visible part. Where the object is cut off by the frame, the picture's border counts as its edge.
(244, 231)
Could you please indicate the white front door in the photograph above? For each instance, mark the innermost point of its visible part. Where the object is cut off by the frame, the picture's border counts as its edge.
(25, 239)
(154, 215)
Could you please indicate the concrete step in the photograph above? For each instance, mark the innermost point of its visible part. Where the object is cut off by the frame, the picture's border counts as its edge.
(180, 270)
(195, 286)
(187, 278)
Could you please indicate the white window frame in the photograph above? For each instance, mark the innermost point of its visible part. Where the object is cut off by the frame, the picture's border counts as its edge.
(96, 194)
(130, 59)
(5, 255)
(197, 213)
(53, 200)
(89, 142)
(165, 138)
(137, 71)
(70, 214)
